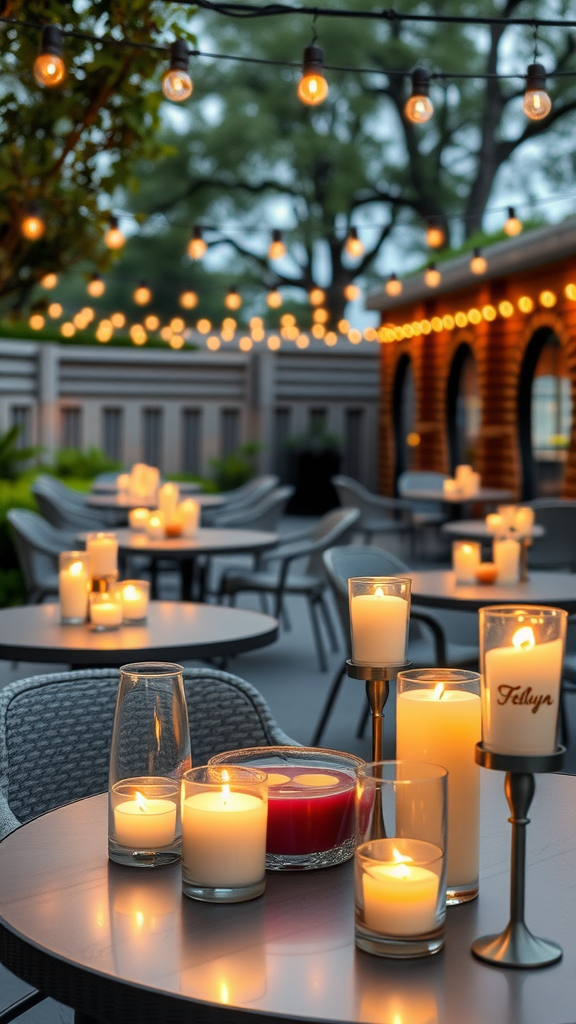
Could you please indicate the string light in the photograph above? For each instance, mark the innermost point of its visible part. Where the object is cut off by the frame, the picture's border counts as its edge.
(49, 68)
(330, 338)
(142, 295)
(96, 286)
(313, 87)
(49, 281)
(352, 292)
(245, 343)
(320, 315)
(547, 299)
(478, 264)
(176, 83)
(233, 299)
(176, 341)
(188, 300)
(317, 296)
(318, 331)
(55, 310)
(166, 333)
(513, 226)
(36, 322)
(525, 304)
(104, 331)
(67, 329)
(196, 246)
(419, 109)
(118, 320)
(32, 226)
(393, 286)
(114, 239)
(213, 343)
(287, 320)
(435, 235)
(537, 103)
(343, 326)
(152, 322)
(277, 248)
(274, 299)
(354, 246)
(274, 342)
(229, 324)
(177, 325)
(138, 334)
(432, 276)
(204, 326)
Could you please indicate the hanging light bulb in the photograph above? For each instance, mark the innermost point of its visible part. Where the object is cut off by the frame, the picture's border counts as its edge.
(114, 239)
(432, 276)
(188, 299)
(478, 264)
(176, 83)
(196, 246)
(435, 236)
(419, 107)
(32, 226)
(49, 281)
(118, 320)
(233, 299)
(317, 296)
(274, 299)
(49, 68)
(313, 87)
(513, 225)
(537, 103)
(393, 286)
(142, 294)
(352, 292)
(277, 248)
(95, 286)
(354, 246)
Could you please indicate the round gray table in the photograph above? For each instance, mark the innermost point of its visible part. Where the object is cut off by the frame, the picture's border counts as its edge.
(125, 946)
(114, 501)
(436, 588)
(476, 529)
(489, 495)
(174, 631)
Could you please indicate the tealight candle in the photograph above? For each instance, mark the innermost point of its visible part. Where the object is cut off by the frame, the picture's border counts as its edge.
(494, 524)
(103, 551)
(138, 519)
(379, 609)
(465, 560)
(135, 595)
(73, 586)
(399, 898)
(189, 512)
(506, 555)
(105, 610)
(156, 526)
(143, 823)
(168, 496)
(524, 521)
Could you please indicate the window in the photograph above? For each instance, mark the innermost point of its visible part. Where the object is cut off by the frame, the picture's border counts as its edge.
(71, 427)
(404, 409)
(191, 440)
(282, 429)
(152, 437)
(353, 429)
(229, 431)
(463, 407)
(112, 430)
(551, 417)
(21, 416)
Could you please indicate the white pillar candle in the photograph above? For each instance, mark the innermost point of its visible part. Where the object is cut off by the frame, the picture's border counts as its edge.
(506, 555)
(103, 551)
(135, 601)
(156, 526)
(508, 513)
(168, 496)
(399, 898)
(521, 694)
(441, 726)
(462, 474)
(451, 489)
(224, 838)
(73, 586)
(145, 824)
(465, 560)
(189, 513)
(474, 482)
(123, 481)
(494, 523)
(138, 519)
(151, 480)
(379, 624)
(524, 521)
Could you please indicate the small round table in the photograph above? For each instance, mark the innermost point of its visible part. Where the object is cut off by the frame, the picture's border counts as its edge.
(436, 588)
(175, 631)
(118, 502)
(476, 529)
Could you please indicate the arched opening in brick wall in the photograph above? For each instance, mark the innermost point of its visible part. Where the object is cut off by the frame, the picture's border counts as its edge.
(463, 407)
(404, 415)
(544, 415)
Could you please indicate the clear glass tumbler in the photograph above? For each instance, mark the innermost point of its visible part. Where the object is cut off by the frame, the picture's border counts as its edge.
(400, 877)
(379, 617)
(149, 755)
(438, 720)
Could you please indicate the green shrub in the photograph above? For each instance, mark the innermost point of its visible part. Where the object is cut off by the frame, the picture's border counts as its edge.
(72, 462)
(235, 469)
(13, 494)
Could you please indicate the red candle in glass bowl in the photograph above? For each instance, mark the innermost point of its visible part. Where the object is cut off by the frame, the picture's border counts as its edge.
(311, 798)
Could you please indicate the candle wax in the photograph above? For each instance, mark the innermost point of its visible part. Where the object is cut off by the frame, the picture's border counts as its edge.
(149, 824)
(378, 623)
(73, 588)
(521, 694)
(224, 839)
(134, 603)
(306, 819)
(105, 613)
(399, 899)
(103, 553)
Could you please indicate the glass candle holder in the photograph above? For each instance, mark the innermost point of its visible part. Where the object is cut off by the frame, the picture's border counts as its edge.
(379, 616)
(156, 526)
(466, 557)
(135, 595)
(521, 655)
(224, 811)
(150, 752)
(310, 803)
(74, 582)
(438, 720)
(106, 608)
(138, 519)
(399, 863)
(168, 498)
(103, 551)
(524, 521)
(506, 555)
(189, 512)
(123, 482)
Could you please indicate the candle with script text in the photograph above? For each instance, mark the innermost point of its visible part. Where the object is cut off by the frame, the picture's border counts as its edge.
(438, 721)
(379, 613)
(522, 651)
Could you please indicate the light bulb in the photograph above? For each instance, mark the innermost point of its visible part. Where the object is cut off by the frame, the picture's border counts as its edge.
(513, 225)
(114, 239)
(49, 281)
(393, 286)
(142, 294)
(96, 286)
(233, 299)
(419, 107)
(176, 83)
(432, 276)
(352, 292)
(537, 103)
(118, 320)
(32, 226)
(478, 264)
(320, 316)
(55, 310)
(188, 300)
(274, 299)
(277, 248)
(138, 335)
(435, 236)
(177, 324)
(313, 87)
(36, 321)
(152, 322)
(317, 296)
(196, 246)
(49, 68)
(354, 246)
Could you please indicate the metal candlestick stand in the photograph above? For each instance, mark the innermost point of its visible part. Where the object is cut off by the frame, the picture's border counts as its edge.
(516, 946)
(525, 543)
(377, 680)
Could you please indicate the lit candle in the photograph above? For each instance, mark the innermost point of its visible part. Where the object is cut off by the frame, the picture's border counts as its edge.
(138, 519)
(145, 824)
(379, 624)
(123, 481)
(508, 513)
(156, 526)
(189, 512)
(135, 600)
(224, 838)
(521, 694)
(465, 560)
(442, 726)
(494, 523)
(168, 496)
(400, 898)
(73, 586)
(105, 611)
(451, 489)
(103, 551)
(506, 555)
(524, 521)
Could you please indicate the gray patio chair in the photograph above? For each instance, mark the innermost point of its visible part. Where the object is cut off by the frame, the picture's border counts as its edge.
(63, 508)
(377, 513)
(426, 515)
(264, 514)
(38, 545)
(55, 733)
(557, 548)
(360, 560)
(274, 576)
(241, 497)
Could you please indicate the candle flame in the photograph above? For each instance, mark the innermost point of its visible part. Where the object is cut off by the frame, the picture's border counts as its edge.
(524, 639)
(157, 728)
(379, 592)
(401, 858)
(76, 568)
(224, 994)
(225, 787)
(130, 592)
(139, 918)
(141, 802)
(467, 549)
(439, 691)
(155, 521)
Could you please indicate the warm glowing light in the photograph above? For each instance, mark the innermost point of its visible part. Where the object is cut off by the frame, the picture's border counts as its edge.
(352, 292)
(114, 239)
(177, 324)
(474, 316)
(354, 336)
(418, 108)
(436, 324)
(317, 297)
(320, 316)
(513, 225)
(233, 299)
(55, 310)
(343, 326)
(176, 82)
(416, 329)
(353, 245)
(196, 246)
(188, 300)
(229, 324)
(489, 313)
(432, 276)
(95, 286)
(80, 321)
(258, 334)
(460, 319)
(407, 329)
(103, 332)
(547, 299)
(67, 329)
(525, 304)
(274, 342)
(570, 292)
(439, 688)
(537, 103)
(36, 322)
(287, 320)
(176, 341)
(426, 326)
(413, 439)
(213, 343)
(313, 87)
(448, 322)
(245, 343)
(49, 68)
(152, 322)
(435, 236)
(524, 639)
(478, 264)
(277, 248)
(302, 341)
(142, 295)
(138, 334)
(370, 334)
(290, 333)
(166, 333)
(118, 320)
(49, 281)
(318, 331)
(32, 226)
(505, 309)
(393, 286)
(274, 299)
(255, 323)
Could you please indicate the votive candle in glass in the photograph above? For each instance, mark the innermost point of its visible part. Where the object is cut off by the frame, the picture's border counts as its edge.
(379, 616)
(466, 557)
(506, 555)
(524, 521)
(521, 656)
(451, 489)
(156, 526)
(73, 586)
(168, 497)
(494, 524)
(103, 550)
(138, 519)
(189, 512)
(135, 596)
(123, 482)
(106, 608)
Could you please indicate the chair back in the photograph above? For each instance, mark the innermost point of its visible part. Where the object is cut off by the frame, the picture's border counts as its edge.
(60, 510)
(340, 563)
(251, 492)
(55, 732)
(264, 515)
(557, 548)
(38, 545)
(352, 494)
(335, 527)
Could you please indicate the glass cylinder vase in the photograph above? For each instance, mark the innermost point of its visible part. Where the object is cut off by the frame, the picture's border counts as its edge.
(73, 586)
(379, 617)
(103, 550)
(150, 752)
